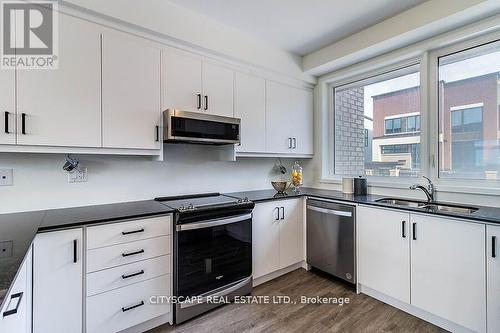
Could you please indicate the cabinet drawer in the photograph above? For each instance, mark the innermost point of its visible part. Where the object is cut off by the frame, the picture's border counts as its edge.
(124, 232)
(121, 254)
(125, 275)
(114, 311)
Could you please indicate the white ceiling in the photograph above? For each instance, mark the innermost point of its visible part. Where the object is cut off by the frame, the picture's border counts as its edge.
(299, 26)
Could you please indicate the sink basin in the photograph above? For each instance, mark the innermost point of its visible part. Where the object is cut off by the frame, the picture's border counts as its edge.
(434, 206)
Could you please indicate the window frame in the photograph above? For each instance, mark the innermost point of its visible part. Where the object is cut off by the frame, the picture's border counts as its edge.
(426, 55)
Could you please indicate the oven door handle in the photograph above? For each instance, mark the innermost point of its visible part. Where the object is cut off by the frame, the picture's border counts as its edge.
(213, 223)
(217, 293)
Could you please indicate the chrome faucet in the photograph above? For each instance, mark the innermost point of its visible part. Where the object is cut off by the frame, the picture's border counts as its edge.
(429, 190)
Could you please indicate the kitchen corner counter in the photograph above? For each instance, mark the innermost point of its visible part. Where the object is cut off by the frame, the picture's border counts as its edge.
(17, 230)
(489, 215)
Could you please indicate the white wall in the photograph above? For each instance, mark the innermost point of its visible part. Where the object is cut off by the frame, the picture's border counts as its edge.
(40, 182)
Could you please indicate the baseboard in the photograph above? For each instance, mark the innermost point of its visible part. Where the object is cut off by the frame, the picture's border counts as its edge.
(150, 324)
(278, 273)
(419, 313)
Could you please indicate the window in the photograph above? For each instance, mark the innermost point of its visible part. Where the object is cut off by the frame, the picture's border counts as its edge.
(468, 127)
(375, 116)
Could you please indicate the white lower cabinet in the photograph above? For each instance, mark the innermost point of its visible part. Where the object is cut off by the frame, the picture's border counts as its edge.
(58, 282)
(436, 264)
(277, 235)
(15, 316)
(448, 270)
(493, 277)
(384, 251)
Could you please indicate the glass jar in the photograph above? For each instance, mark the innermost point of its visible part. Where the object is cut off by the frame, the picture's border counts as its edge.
(297, 176)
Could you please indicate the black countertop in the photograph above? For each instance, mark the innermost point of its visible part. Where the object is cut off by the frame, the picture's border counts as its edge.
(18, 230)
(483, 214)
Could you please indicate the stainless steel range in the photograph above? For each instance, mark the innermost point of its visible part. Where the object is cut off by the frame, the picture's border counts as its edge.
(212, 250)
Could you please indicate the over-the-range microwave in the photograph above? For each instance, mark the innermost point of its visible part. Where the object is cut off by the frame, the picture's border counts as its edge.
(196, 127)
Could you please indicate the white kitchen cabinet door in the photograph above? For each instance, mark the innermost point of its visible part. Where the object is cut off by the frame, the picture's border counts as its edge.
(182, 80)
(384, 251)
(301, 113)
(493, 277)
(279, 125)
(130, 92)
(57, 282)
(250, 107)
(291, 232)
(7, 106)
(218, 84)
(15, 316)
(62, 107)
(265, 238)
(448, 270)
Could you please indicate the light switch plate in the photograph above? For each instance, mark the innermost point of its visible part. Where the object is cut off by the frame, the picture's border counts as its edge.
(6, 177)
(78, 176)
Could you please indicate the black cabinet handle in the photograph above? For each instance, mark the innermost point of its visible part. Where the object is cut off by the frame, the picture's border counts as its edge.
(133, 306)
(198, 98)
(206, 102)
(75, 250)
(493, 246)
(23, 123)
(157, 133)
(6, 113)
(403, 229)
(132, 253)
(294, 143)
(132, 275)
(278, 217)
(414, 231)
(282, 213)
(19, 296)
(132, 232)
(289, 143)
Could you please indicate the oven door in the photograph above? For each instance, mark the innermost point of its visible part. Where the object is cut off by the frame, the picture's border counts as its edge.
(212, 254)
(195, 127)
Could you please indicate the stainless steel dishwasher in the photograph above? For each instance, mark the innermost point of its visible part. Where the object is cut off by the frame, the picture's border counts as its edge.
(331, 238)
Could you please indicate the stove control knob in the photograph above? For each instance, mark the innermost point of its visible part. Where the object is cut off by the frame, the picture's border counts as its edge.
(190, 207)
(239, 200)
(181, 207)
(246, 199)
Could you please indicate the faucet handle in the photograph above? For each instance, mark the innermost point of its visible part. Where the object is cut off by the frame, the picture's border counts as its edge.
(428, 179)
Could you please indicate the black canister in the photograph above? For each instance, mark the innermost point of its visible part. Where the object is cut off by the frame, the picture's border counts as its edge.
(360, 186)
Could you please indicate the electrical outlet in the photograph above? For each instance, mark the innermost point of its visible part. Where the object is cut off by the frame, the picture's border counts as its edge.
(6, 177)
(79, 175)
(6, 249)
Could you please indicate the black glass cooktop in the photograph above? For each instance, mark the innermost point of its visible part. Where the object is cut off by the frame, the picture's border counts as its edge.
(200, 201)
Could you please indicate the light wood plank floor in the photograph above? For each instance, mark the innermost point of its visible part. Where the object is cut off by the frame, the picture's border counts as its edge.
(362, 314)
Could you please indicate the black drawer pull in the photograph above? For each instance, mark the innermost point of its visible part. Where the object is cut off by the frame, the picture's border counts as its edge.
(19, 296)
(132, 275)
(133, 306)
(7, 122)
(75, 245)
(132, 232)
(132, 253)
(414, 231)
(403, 229)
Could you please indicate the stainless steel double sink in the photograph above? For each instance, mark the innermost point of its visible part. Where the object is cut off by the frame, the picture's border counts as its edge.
(430, 206)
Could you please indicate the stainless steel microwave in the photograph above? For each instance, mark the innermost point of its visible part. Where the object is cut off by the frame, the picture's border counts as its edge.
(195, 127)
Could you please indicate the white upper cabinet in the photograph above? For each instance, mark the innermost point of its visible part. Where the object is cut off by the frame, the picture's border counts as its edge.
(289, 124)
(448, 270)
(130, 92)
(493, 277)
(182, 80)
(250, 107)
(302, 121)
(384, 251)
(62, 107)
(218, 83)
(7, 106)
